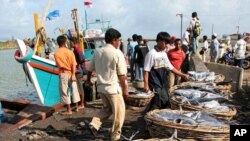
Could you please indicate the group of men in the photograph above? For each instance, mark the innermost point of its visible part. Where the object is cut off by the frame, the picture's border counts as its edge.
(155, 67)
(110, 68)
(136, 52)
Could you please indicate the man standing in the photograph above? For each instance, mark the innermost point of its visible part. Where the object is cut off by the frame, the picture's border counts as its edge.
(131, 50)
(66, 62)
(139, 55)
(155, 72)
(195, 32)
(240, 50)
(80, 68)
(214, 48)
(176, 57)
(111, 69)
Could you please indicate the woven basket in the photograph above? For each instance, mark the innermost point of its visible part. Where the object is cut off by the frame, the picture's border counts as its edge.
(164, 129)
(138, 101)
(175, 105)
(138, 84)
(222, 115)
(222, 89)
(219, 78)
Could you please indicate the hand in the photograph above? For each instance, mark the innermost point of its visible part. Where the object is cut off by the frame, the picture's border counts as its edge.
(88, 83)
(146, 89)
(73, 78)
(186, 76)
(125, 96)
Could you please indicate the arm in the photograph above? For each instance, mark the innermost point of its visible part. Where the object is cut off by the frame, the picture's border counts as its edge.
(179, 73)
(122, 73)
(123, 82)
(148, 64)
(90, 69)
(145, 76)
(73, 66)
(73, 72)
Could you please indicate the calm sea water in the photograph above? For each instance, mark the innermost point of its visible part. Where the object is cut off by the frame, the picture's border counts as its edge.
(13, 84)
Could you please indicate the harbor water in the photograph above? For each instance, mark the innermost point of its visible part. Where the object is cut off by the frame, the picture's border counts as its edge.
(13, 82)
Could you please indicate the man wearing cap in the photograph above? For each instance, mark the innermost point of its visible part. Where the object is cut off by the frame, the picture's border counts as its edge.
(214, 48)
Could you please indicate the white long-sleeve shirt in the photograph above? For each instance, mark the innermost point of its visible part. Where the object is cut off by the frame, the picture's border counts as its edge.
(240, 49)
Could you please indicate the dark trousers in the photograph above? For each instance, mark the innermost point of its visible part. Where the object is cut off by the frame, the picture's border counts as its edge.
(238, 62)
(161, 99)
(132, 72)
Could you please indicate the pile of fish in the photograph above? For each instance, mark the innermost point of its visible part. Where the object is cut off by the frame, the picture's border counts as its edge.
(202, 76)
(219, 87)
(192, 118)
(202, 99)
(139, 93)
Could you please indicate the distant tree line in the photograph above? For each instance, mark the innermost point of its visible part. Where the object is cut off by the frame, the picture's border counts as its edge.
(7, 45)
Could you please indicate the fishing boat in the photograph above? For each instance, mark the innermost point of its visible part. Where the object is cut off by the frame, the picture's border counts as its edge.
(44, 74)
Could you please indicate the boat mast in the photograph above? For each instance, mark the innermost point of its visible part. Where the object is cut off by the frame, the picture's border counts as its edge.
(39, 29)
(75, 19)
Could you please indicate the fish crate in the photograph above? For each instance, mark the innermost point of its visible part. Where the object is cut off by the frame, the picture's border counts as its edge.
(222, 87)
(138, 100)
(175, 104)
(159, 128)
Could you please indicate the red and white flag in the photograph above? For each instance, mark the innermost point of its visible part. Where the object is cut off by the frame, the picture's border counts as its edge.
(88, 3)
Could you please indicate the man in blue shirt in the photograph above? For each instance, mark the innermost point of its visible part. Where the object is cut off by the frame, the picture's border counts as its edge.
(131, 50)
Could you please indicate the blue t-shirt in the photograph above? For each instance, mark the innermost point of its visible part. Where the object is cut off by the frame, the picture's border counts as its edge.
(131, 48)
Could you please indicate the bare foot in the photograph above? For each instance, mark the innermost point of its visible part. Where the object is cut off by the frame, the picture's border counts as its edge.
(81, 107)
(77, 109)
(66, 113)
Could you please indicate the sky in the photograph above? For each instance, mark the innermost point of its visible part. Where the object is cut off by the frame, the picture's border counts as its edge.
(143, 17)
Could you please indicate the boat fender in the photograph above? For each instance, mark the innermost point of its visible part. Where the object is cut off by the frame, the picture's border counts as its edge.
(26, 57)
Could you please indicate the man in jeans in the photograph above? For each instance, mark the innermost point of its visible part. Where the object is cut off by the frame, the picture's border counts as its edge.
(111, 69)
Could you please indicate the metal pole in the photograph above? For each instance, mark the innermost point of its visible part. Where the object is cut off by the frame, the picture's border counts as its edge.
(238, 29)
(212, 29)
(86, 19)
(181, 15)
(181, 25)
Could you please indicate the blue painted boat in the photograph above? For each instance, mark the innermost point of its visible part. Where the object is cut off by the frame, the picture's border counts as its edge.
(43, 74)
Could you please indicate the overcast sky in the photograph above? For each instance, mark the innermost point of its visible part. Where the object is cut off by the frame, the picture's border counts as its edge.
(144, 17)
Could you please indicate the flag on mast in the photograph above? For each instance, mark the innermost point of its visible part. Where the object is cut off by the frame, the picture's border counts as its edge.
(88, 3)
(52, 15)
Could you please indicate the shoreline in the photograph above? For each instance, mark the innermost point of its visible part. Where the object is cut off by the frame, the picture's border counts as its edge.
(7, 48)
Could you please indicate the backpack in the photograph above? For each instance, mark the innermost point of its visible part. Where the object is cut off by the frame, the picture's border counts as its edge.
(197, 29)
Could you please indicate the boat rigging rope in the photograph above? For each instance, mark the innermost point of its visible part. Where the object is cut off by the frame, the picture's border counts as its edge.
(27, 76)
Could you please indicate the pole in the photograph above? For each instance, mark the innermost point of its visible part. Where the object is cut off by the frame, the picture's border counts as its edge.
(75, 19)
(181, 25)
(181, 15)
(238, 29)
(86, 19)
(212, 29)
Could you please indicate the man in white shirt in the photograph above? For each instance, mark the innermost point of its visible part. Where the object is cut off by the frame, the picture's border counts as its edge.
(156, 66)
(240, 50)
(214, 48)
